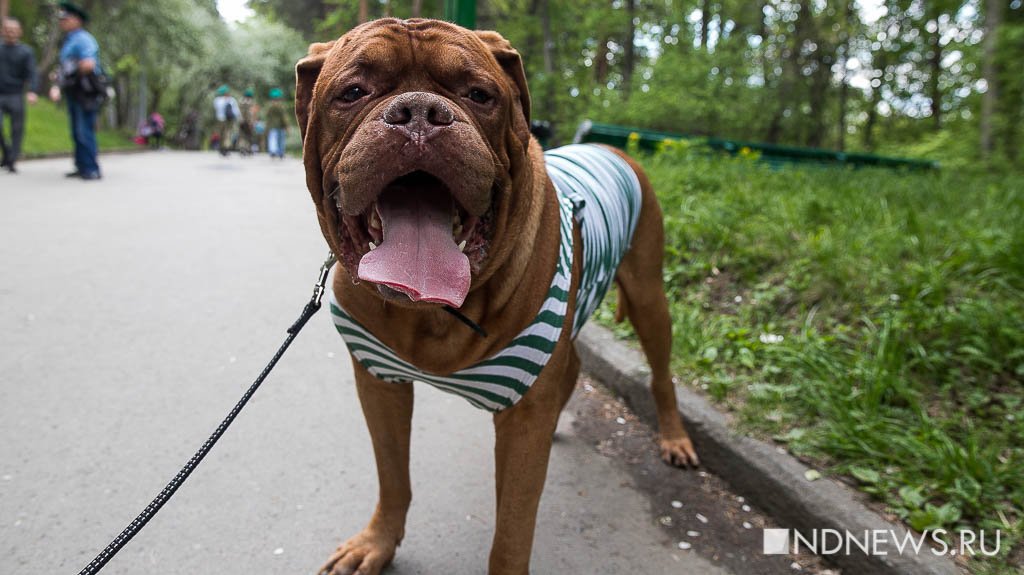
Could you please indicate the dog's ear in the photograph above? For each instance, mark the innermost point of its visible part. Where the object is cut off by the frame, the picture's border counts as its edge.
(510, 61)
(306, 73)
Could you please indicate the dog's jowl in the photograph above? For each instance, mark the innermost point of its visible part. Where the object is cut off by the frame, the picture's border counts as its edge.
(438, 204)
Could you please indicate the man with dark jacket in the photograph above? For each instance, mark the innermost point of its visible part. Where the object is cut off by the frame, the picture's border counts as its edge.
(17, 72)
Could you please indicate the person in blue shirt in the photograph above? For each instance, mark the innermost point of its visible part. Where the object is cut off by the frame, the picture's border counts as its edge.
(79, 62)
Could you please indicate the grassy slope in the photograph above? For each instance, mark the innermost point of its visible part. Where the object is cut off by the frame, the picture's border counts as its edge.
(872, 320)
(47, 131)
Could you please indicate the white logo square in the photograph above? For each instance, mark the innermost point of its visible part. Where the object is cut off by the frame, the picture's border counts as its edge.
(776, 541)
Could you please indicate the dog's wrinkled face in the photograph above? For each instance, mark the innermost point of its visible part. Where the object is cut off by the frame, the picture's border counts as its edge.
(413, 134)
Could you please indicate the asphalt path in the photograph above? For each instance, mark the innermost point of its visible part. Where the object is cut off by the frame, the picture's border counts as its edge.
(135, 312)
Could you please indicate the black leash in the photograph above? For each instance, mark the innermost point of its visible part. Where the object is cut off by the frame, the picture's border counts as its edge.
(135, 526)
(470, 323)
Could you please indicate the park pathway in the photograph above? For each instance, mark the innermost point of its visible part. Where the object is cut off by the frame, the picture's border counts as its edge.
(135, 311)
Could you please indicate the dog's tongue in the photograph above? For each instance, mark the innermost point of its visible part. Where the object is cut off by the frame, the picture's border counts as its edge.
(418, 256)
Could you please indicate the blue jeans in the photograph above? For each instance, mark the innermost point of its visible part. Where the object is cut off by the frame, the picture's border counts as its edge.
(275, 142)
(83, 132)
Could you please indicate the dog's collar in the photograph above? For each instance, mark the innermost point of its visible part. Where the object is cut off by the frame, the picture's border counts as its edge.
(468, 322)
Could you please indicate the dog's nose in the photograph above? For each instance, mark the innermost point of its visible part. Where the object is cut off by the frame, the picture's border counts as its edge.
(420, 113)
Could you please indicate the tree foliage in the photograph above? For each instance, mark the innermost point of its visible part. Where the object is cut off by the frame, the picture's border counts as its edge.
(897, 76)
(902, 77)
(169, 55)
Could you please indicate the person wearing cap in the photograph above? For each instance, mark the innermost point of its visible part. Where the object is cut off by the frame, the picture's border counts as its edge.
(79, 58)
(17, 71)
(225, 109)
(246, 127)
(277, 124)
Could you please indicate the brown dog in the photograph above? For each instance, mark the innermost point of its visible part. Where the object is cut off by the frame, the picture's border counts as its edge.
(430, 189)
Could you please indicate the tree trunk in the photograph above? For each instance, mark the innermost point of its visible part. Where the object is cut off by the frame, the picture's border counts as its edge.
(548, 105)
(627, 66)
(819, 85)
(869, 126)
(774, 133)
(417, 8)
(156, 98)
(364, 11)
(767, 98)
(844, 92)
(849, 14)
(790, 56)
(993, 19)
(549, 41)
(601, 65)
(530, 49)
(705, 23)
(123, 102)
(50, 53)
(935, 65)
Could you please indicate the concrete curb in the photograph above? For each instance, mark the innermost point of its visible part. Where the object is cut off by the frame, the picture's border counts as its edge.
(770, 478)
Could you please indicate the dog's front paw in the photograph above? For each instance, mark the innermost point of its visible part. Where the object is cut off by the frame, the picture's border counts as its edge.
(679, 452)
(365, 554)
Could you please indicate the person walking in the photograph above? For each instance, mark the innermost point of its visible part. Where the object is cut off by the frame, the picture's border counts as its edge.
(17, 72)
(225, 108)
(277, 124)
(80, 79)
(247, 125)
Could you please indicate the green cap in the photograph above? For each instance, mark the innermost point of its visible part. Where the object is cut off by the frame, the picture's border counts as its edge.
(222, 90)
(276, 94)
(248, 93)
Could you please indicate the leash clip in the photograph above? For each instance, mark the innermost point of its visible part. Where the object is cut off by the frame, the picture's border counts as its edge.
(320, 287)
(318, 293)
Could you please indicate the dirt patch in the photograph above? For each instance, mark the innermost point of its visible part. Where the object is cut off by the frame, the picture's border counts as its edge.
(696, 509)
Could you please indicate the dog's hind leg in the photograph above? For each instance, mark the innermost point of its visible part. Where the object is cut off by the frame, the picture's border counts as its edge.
(642, 289)
(387, 408)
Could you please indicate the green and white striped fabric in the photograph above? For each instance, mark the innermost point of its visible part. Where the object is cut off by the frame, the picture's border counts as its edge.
(606, 194)
(500, 381)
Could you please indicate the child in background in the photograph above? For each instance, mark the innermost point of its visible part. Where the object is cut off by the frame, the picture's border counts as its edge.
(155, 131)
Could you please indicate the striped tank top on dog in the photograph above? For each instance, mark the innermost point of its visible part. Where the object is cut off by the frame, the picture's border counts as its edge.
(597, 189)
(606, 196)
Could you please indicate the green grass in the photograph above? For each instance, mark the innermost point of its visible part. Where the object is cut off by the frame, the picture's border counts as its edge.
(871, 320)
(47, 131)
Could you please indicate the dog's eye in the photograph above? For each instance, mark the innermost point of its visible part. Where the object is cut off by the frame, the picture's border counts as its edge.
(352, 94)
(479, 96)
